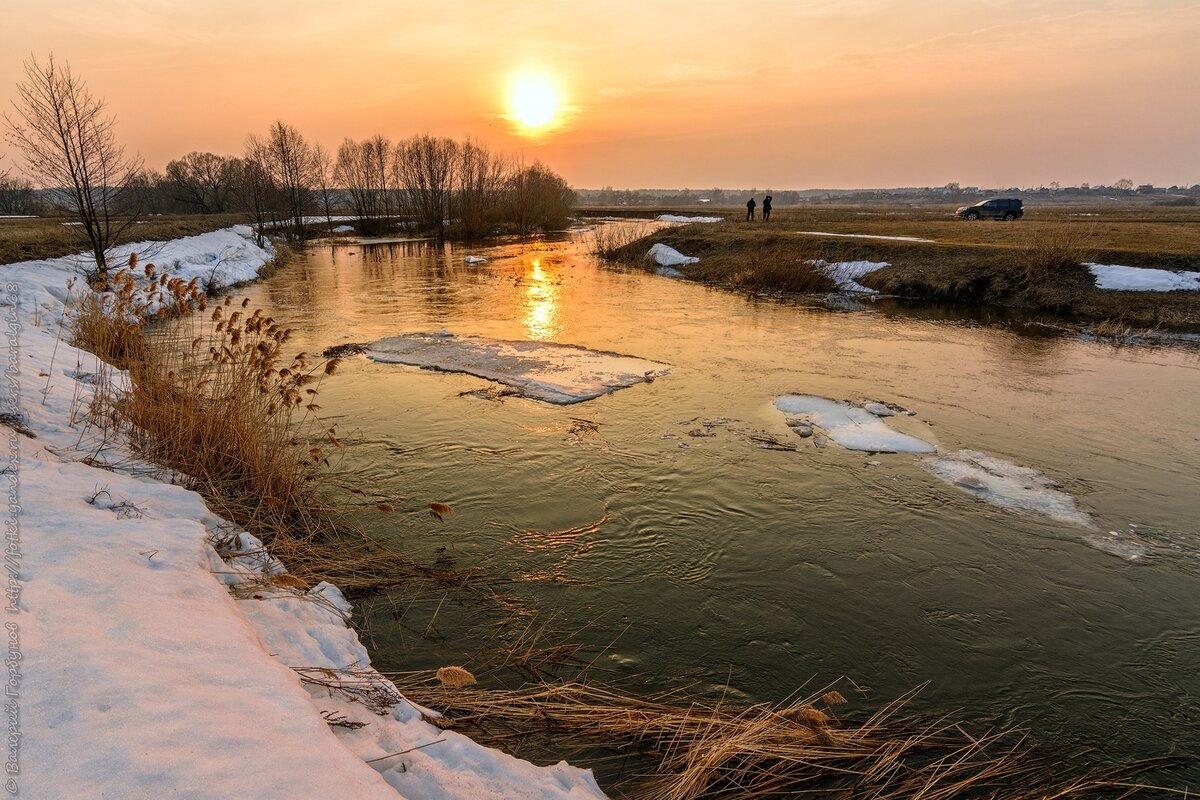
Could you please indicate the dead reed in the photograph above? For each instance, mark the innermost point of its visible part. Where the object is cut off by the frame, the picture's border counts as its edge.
(609, 240)
(214, 397)
(1049, 269)
(715, 749)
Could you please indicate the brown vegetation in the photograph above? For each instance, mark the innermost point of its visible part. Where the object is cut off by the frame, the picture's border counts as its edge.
(51, 237)
(685, 748)
(1034, 263)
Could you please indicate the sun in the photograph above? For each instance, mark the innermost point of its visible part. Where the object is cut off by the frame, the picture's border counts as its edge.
(534, 103)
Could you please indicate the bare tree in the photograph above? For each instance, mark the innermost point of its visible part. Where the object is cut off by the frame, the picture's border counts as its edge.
(364, 171)
(70, 147)
(16, 194)
(202, 182)
(480, 179)
(538, 199)
(423, 170)
(287, 158)
(323, 171)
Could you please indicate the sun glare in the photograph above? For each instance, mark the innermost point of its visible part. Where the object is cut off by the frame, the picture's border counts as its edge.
(533, 103)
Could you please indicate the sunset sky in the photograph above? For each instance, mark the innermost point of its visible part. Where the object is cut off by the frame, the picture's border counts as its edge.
(673, 93)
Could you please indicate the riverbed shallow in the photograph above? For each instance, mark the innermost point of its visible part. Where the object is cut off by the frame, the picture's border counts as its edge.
(663, 528)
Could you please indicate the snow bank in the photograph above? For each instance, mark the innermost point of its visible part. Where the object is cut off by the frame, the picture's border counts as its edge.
(850, 426)
(555, 373)
(152, 667)
(344, 229)
(666, 256)
(867, 236)
(678, 218)
(1007, 485)
(846, 273)
(1135, 279)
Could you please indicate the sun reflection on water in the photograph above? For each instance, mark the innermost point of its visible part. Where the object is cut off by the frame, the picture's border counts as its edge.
(541, 303)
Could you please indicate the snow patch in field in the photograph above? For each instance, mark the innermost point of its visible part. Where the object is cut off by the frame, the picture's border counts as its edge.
(679, 218)
(846, 273)
(850, 426)
(666, 256)
(867, 236)
(1136, 279)
(344, 229)
(1007, 485)
(556, 373)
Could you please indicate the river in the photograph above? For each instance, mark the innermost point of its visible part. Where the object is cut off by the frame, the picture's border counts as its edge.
(711, 557)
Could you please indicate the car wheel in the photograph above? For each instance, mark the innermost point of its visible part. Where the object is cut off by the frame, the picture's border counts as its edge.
(972, 215)
(1009, 216)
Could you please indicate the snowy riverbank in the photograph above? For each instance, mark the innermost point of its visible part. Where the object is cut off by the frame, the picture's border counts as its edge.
(150, 653)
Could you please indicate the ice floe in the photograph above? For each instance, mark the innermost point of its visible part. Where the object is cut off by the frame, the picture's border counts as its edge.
(867, 236)
(666, 256)
(846, 273)
(475, 260)
(849, 426)
(679, 218)
(1136, 279)
(555, 373)
(1007, 485)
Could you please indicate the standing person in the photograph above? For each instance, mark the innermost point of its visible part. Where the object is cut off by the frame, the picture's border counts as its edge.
(750, 210)
(767, 208)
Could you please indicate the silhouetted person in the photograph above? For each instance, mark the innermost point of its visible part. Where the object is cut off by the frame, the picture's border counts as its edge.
(750, 210)
(767, 208)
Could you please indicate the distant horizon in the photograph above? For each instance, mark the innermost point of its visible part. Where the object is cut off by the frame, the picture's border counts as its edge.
(856, 94)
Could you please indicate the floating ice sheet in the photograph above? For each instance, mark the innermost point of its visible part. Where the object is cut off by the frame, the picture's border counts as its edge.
(1007, 485)
(850, 426)
(666, 256)
(555, 373)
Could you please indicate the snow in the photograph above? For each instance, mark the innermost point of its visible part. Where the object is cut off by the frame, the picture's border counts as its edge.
(846, 273)
(153, 666)
(1007, 485)
(344, 229)
(18, 216)
(685, 220)
(555, 373)
(867, 236)
(666, 256)
(850, 426)
(1136, 279)
(475, 260)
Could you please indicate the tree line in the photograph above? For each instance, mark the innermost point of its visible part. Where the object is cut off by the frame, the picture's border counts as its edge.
(427, 184)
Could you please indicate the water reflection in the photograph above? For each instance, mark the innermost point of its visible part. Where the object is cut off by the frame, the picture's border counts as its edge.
(541, 302)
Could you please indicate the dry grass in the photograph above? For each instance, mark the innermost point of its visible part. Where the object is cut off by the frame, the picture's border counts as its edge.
(690, 748)
(50, 237)
(760, 261)
(215, 398)
(1033, 263)
(607, 239)
(1049, 270)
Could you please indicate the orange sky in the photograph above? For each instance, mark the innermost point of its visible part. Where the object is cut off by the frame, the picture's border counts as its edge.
(673, 93)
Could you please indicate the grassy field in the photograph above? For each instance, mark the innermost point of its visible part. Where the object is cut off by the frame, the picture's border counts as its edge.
(50, 237)
(1016, 264)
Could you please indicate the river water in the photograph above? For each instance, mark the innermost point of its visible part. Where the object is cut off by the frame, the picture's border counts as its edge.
(713, 558)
